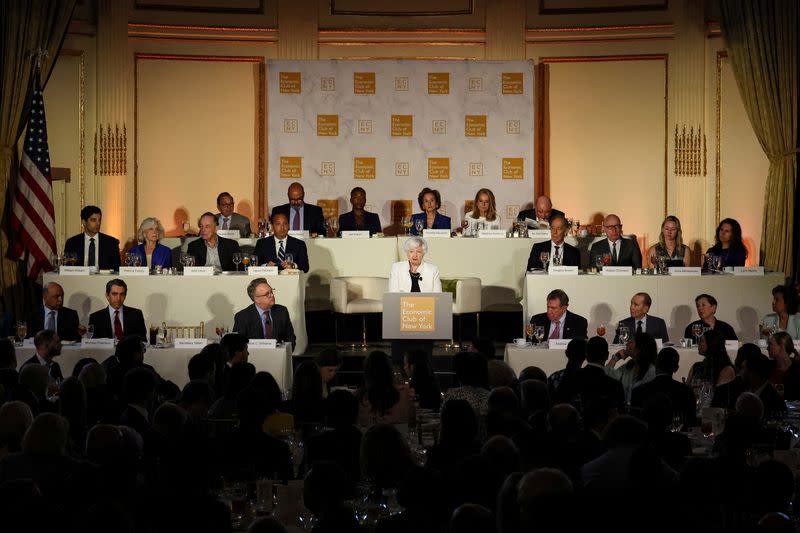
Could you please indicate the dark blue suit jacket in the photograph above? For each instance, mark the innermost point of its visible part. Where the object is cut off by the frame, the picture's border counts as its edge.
(107, 256)
(313, 219)
(265, 250)
(161, 255)
(347, 222)
(440, 222)
(654, 326)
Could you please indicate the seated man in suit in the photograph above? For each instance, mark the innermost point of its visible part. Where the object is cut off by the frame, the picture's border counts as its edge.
(707, 309)
(756, 371)
(559, 323)
(92, 248)
(48, 346)
(541, 215)
(624, 252)
(53, 315)
(118, 320)
(264, 319)
(556, 247)
(274, 249)
(211, 249)
(641, 321)
(681, 395)
(301, 216)
(358, 219)
(227, 219)
(591, 383)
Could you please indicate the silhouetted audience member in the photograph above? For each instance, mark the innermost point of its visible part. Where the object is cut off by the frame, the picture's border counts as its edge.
(725, 395)
(197, 398)
(501, 374)
(483, 345)
(328, 362)
(238, 377)
(385, 456)
(545, 498)
(15, 419)
(417, 366)
(458, 438)
(658, 414)
(756, 371)
(382, 400)
(532, 372)
(324, 493)
(9, 377)
(307, 403)
(341, 443)
(576, 355)
(73, 407)
(472, 518)
(138, 392)
(680, 395)
(472, 374)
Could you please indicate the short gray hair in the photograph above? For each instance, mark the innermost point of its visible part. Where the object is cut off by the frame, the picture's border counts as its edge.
(415, 242)
(146, 224)
(251, 287)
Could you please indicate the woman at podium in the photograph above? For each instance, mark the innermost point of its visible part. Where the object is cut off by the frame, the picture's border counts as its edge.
(414, 274)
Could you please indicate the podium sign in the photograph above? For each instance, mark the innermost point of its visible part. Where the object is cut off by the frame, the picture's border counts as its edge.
(417, 315)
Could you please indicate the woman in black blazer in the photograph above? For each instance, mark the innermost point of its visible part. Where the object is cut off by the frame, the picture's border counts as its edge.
(357, 219)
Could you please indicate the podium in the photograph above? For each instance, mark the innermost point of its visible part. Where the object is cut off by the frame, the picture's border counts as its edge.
(413, 320)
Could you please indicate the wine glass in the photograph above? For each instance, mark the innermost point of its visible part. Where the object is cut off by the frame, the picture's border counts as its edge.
(221, 331)
(237, 258)
(253, 260)
(334, 225)
(407, 225)
(538, 333)
(289, 261)
(577, 227)
(162, 334)
(557, 260)
(418, 224)
(601, 330)
(21, 330)
(137, 260)
(606, 259)
(544, 257)
(465, 227)
(245, 261)
(89, 331)
(598, 262)
(718, 263)
(189, 260)
(697, 330)
(624, 334)
(262, 228)
(182, 259)
(529, 330)
(677, 422)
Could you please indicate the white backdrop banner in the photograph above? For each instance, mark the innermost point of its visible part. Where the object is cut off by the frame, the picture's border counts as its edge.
(394, 127)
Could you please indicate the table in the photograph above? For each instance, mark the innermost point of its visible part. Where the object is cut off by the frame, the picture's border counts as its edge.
(186, 300)
(743, 300)
(172, 363)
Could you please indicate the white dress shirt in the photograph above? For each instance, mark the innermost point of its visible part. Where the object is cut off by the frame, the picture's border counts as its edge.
(212, 256)
(560, 251)
(473, 222)
(86, 243)
(278, 246)
(561, 321)
(400, 279)
(111, 312)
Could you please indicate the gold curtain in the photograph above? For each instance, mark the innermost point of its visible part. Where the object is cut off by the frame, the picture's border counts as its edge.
(27, 27)
(761, 38)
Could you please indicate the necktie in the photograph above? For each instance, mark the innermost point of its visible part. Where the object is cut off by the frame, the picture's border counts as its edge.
(556, 330)
(51, 321)
(117, 326)
(281, 253)
(267, 327)
(225, 223)
(557, 252)
(91, 253)
(614, 252)
(296, 221)
(639, 326)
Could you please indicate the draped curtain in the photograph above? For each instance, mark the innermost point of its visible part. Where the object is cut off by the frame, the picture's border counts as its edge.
(28, 26)
(761, 38)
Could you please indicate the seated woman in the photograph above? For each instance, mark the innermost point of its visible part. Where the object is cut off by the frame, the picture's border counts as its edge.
(716, 366)
(417, 367)
(786, 376)
(642, 350)
(484, 210)
(728, 244)
(670, 245)
(357, 219)
(381, 400)
(784, 316)
(706, 309)
(150, 252)
(414, 274)
(429, 201)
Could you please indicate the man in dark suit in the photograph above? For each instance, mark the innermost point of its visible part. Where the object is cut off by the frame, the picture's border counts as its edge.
(227, 219)
(756, 371)
(118, 320)
(623, 252)
(725, 395)
(680, 395)
(264, 319)
(53, 315)
(273, 250)
(48, 346)
(301, 216)
(211, 249)
(641, 321)
(558, 322)
(92, 248)
(541, 215)
(556, 247)
(591, 382)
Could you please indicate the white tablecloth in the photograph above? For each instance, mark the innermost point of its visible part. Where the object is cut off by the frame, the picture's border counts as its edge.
(172, 364)
(186, 300)
(742, 300)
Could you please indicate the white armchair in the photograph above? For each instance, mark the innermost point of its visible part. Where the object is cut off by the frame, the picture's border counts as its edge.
(467, 298)
(357, 295)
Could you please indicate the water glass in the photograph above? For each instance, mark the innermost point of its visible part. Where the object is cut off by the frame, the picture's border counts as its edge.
(418, 224)
(21, 330)
(237, 258)
(538, 333)
(89, 331)
(289, 261)
(624, 334)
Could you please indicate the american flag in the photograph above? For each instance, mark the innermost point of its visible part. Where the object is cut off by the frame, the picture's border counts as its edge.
(32, 215)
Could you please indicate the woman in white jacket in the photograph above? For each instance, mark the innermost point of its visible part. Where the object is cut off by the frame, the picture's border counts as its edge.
(414, 274)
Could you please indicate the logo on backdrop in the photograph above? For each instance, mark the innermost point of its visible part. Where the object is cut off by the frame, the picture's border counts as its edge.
(512, 168)
(290, 82)
(328, 125)
(438, 168)
(438, 83)
(291, 167)
(402, 125)
(363, 83)
(475, 126)
(512, 83)
(417, 313)
(364, 168)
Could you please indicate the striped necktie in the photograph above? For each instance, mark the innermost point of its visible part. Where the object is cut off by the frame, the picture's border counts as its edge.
(281, 253)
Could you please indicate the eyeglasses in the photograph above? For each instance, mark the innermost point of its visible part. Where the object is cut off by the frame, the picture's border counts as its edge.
(618, 226)
(226, 204)
(266, 294)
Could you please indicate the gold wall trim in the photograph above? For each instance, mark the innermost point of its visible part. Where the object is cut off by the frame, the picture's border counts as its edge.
(469, 10)
(257, 9)
(543, 10)
(260, 116)
(409, 43)
(721, 54)
(603, 40)
(201, 33)
(81, 55)
(602, 28)
(376, 36)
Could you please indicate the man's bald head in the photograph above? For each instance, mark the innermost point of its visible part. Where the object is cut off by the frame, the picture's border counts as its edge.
(543, 207)
(296, 194)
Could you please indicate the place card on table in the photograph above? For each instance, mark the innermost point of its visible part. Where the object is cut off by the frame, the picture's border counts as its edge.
(262, 271)
(492, 234)
(538, 233)
(748, 271)
(299, 233)
(558, 344)
(731, 345)
(562, 270)
(134, 271)
(617, 270)
(28, 343)
(685, 271)
(436, 233)
(198, 271)
(97, 343)
(262, 343)
(182, 343)
(228, 233)
(659, 344)
(75, 270)
(361, 234)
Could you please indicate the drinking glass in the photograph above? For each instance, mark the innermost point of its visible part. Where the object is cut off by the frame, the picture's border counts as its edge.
(70, 258)
(21, 330)
(538, 332)
(262, 228)
(189, 260)
(137, 260)
(479, 226)
(237, 258)
(245, 261)
(598, 262)
(606, 259)
(465, 227)
(557, 260)
(221, 331)
(601, 330)
(182, 259)
(577, 226)
(677, 423)
(661, 263)
(529, 331)
(709, 259)
(334, 225)
(718, 263)
(253, 260)
(544, 257)
(407, 225)
(697, 330)
(89, 331)
(624, 334)
(289, 261)
(418, 224)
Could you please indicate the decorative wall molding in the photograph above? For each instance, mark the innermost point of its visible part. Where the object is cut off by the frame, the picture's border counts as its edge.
(690, 151)
(111, 150)
(574, 7)
(81, 55)
(600, 34)
(406, 8)
(237, 7)
(201, 33)
(721, 54)
(403, 37)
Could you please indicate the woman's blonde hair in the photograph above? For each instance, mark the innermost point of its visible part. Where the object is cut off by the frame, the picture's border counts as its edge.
(678, 235)
(146, 224)
(491, 214)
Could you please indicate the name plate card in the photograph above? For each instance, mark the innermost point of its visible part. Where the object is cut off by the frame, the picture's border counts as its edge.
(262, 271)
(659, 344)
(685, 271)
(492, 234)
(562, 270)
(198, 271)
(539, 234)
(361, 234)
(28, 343)
(134, 271)
(748, 271)
(299, 233)
(558, 344)
(75, 270)
(228, 233)
(190, 343)
(617, 271)
(436, 233)
(269, 344)
(731, 345)
(97, 343)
